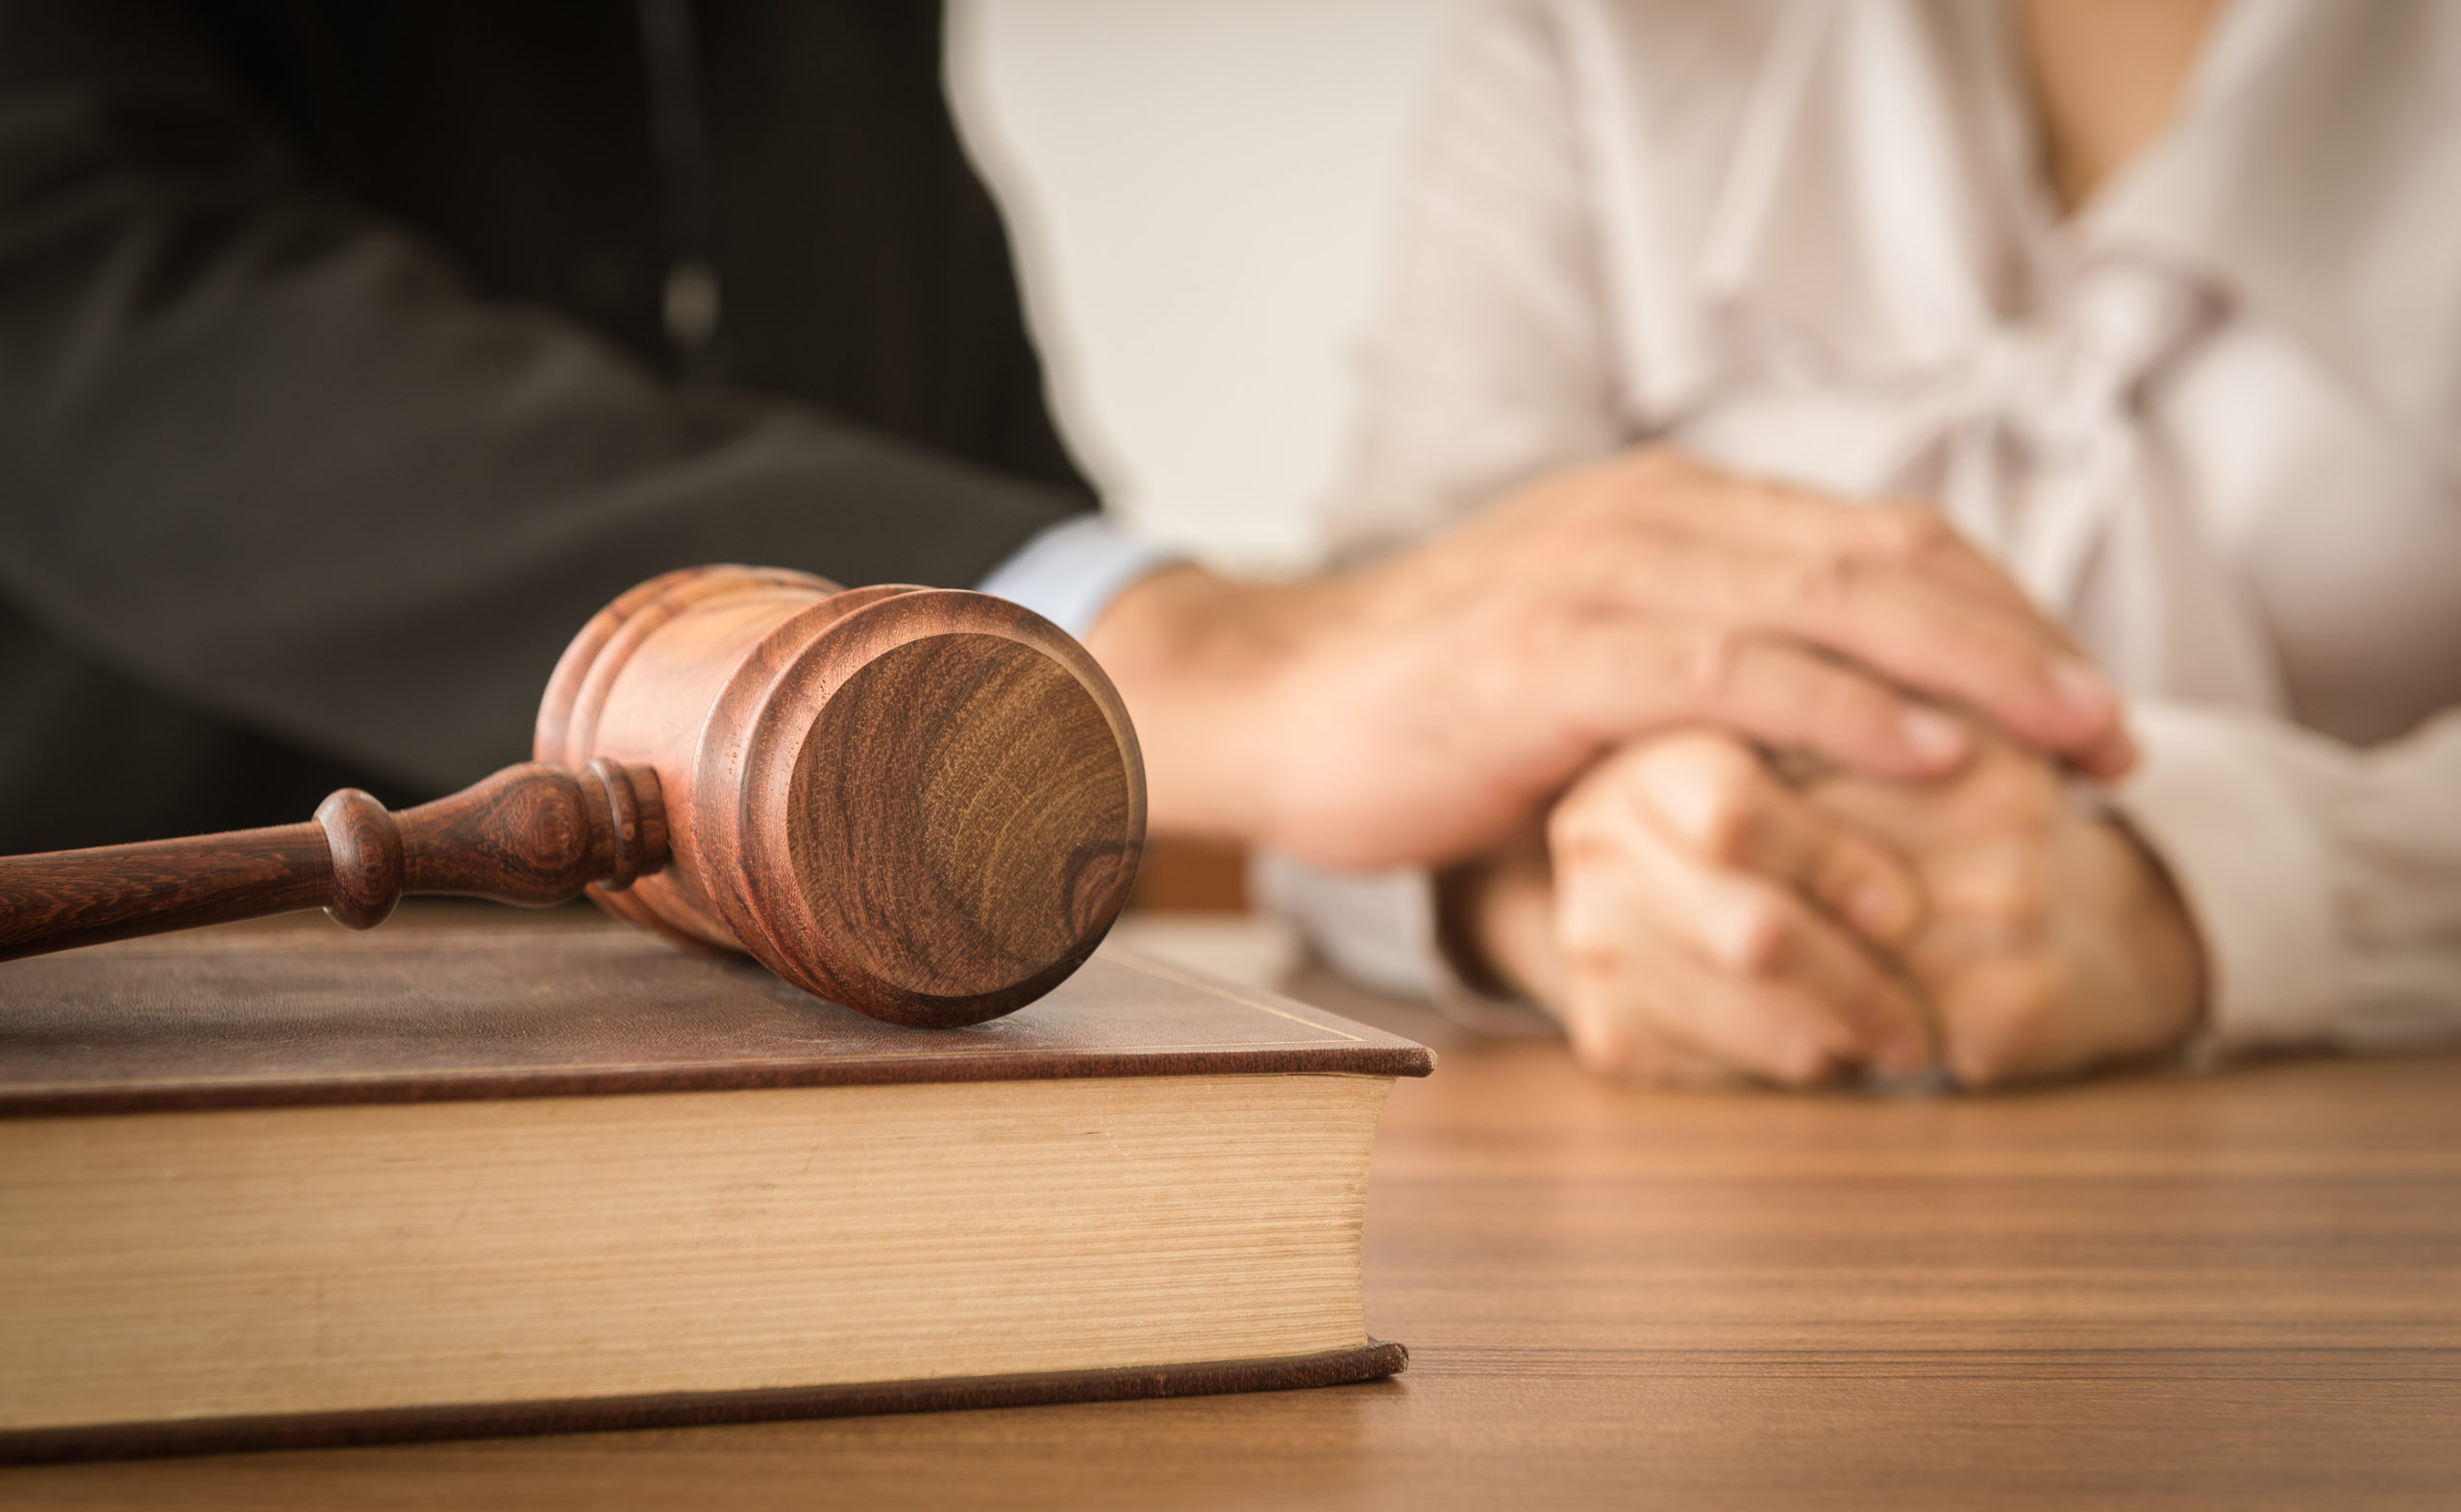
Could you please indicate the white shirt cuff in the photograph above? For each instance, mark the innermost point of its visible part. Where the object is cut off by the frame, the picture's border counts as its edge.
(1069, 573)
(1377, 928)
(2251, 867)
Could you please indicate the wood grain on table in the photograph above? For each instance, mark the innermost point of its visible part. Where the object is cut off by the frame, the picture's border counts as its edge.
(2241, 1289)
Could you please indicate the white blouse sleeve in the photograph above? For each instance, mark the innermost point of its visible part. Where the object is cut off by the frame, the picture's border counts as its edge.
(2325, 878)
(1489, 362)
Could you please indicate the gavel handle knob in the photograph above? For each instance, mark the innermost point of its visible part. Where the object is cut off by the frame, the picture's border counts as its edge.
(532, 834)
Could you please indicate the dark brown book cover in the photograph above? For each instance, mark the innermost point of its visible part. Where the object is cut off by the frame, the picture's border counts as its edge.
(308, 1013)
(457, 1006)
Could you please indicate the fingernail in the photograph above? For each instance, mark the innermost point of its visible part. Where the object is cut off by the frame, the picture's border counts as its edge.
(2083, 688)
(1932, 734)
(1878, 908)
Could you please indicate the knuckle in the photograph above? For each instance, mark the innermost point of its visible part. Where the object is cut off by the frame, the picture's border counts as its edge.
(1712, 800)
(1722, 824)
(1525, 636)
(1828, 583)
(1578, 830)
(1913, 533)
(1594, 946)
(1760, 939)
(1704, 658)
(1855, 878)
(2012, 896)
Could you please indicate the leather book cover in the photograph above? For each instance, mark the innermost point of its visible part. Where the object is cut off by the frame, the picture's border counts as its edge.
(308, 1013)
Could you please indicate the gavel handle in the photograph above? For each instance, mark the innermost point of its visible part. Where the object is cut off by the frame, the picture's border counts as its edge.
(532, 834)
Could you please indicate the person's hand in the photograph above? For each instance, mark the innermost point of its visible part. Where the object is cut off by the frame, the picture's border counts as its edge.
(2052, 941)
(1417, 711)
(1698, 917)
(1690, 918)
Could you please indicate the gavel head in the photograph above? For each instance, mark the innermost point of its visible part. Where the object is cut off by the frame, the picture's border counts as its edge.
(923, 803)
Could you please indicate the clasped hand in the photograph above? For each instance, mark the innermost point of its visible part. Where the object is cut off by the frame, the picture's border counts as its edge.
(1693, 915)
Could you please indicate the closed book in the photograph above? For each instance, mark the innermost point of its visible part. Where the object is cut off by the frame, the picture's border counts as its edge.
(289, 1186)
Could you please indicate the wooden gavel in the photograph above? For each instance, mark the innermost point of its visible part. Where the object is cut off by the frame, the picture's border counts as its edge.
(924, 804)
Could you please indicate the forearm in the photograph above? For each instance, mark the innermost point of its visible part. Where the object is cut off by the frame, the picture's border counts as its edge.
(1198, 660)
(1495, 922)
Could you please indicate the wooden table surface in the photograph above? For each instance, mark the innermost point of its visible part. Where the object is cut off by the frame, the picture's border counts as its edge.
(2235, 1290)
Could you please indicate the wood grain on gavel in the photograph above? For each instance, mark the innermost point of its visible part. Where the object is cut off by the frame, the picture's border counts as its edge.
(924, 804)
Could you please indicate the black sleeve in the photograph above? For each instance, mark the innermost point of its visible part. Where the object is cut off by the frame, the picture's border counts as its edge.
(260, 452)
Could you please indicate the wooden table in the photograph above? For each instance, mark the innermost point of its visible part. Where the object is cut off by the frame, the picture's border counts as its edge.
(2239, 1289)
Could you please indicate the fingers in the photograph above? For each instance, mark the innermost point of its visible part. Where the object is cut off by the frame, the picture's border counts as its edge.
(1633, 996)
(1890, 585)
(1731, 964)
(1773, 517)
(1630, 676)
(2109, 758)
(1411, 711)
(2002, 792)
(1721, 801)
(2006, 1027)
(1613, 1031)
(2052, 940)
(1627, 1016)
(1905, 625)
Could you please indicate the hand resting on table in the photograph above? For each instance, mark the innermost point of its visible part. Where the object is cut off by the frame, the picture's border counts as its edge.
(1692, 915)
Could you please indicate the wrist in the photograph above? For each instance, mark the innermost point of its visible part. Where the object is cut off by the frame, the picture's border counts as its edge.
(2169, 949)
(1495, 922)
(1200, 661)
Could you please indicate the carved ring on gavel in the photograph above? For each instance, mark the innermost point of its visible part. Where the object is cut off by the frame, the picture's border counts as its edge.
(924, 804)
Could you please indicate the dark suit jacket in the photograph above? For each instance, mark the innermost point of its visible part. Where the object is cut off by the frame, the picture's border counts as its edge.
(335, 390)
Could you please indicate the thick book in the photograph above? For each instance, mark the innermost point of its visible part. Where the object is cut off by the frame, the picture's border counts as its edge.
(292, 1186)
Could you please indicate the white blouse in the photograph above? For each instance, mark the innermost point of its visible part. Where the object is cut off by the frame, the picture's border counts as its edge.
(2214, 421)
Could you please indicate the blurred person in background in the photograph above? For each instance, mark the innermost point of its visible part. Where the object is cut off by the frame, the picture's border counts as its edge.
(2157, 304)
(354, 352)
